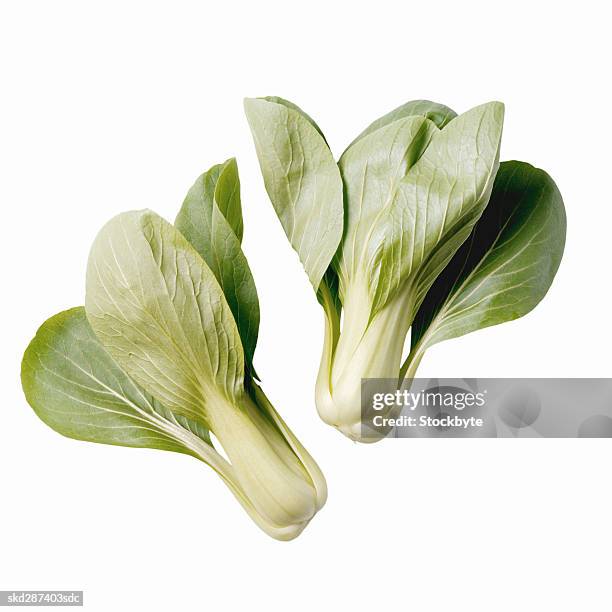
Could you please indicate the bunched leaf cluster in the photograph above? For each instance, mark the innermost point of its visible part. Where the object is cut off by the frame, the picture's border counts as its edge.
(415, 235)
(416, 227)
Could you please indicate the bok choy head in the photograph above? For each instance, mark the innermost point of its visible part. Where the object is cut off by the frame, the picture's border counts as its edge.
(380, 234)
(161, 355)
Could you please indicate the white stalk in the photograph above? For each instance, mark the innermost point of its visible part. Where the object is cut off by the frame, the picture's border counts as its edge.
(365, 349)
(279, 489)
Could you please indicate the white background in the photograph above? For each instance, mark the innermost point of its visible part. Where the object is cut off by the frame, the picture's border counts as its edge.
(109, 106)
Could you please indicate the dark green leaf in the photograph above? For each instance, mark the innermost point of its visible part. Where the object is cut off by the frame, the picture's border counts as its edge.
(75, 387)
(211, 220)
(506, 266)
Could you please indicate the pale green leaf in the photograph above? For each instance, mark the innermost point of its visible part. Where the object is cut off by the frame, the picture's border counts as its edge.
(372, 170)
(438, 113)
(438, 202)
(295, 107)
(159, 311)
(210, 218)
(302, 181)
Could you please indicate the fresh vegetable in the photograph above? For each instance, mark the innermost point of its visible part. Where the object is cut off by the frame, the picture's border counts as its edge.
(161, 355)
(394, 235)
(504, 268)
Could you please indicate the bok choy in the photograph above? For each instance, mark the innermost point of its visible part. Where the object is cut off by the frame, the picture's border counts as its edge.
(417, 225)
(161, 355)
